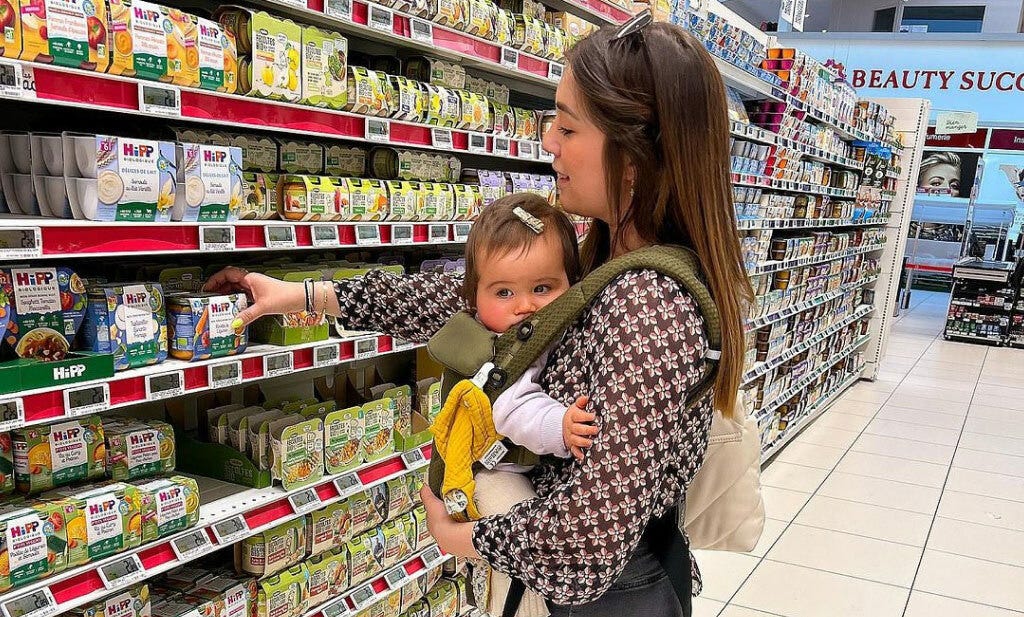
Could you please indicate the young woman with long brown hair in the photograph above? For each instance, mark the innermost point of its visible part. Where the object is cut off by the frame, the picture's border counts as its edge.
(641, 144)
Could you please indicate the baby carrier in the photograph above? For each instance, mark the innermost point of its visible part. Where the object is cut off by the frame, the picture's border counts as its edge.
(480, 365)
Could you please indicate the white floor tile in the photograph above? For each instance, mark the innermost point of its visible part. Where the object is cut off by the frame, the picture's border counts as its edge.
(843, 421)
(855, 408)
(734, 610)
(772, 530)
(936, 392)
(794, 591)
(992, 443)
(885, 493)
(793, 477)
(982, 510)
(723, 572)
(988, 461)
(996, 485)
(930, 605)
(971, 579)
(904, 448)
(866, 520)
(869, 395)
(810, 455)
(999, 414)
(921, 417)
(824, 436)
(896, 469)
(981, 397)
(978, 541)
(914, 432)
(703, 607)
(1001, 428)
(932, 379)
(910, 401)
(842, 553)
(781, 504)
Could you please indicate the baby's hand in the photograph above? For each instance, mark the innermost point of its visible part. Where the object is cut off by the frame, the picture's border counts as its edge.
(578, 428)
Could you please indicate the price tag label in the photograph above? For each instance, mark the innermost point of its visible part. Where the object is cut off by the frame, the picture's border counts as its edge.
(159, 99)
(341, 9)
(365, 348)
(441, 138)
(87, 400)
(396, 577)
(124, 571)
(477, 143)
(12, 414)
(231, 530)
(527, 150)
(509, 58)
(21, 243)
(326, 355)
(432, 556)
(378, 129)
(191, 545)
(39, 603)
(225, 374)
(555, 71)
(368, 235)
(401, 234)
(363, 596)
(338, 608)
(216, 238)
(381, 18)
(165, 385)
(304, 501)
(414, 459)
(278, 364)
(544, 155)
(398, 344)
(280, 236)
(325, 236)
(348, 484)
(422, 31)
(502, 146)
(17, 81)
(438, 233)
(461, 231)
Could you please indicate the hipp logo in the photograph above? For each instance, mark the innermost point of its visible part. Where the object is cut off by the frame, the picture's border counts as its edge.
(103, 507)
(34, 278)
(27, 529)
(207, 31)
(136, 298)
(145, 438)
(118, 608)
(169, 494)
(218, 156)
(70, 434)
(221, 307)
(145, 14)
(139, 150)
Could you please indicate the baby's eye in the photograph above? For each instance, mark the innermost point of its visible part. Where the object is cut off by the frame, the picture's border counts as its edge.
(504, 293)
(542, 289)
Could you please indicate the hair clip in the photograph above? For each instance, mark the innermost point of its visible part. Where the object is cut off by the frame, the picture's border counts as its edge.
(534, 223)
(637, 23)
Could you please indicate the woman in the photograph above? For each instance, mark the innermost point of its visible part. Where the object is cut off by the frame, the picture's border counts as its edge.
(940, 173)
(641, 144)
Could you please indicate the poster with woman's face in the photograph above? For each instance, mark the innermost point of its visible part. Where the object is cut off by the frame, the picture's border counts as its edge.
(950, 174)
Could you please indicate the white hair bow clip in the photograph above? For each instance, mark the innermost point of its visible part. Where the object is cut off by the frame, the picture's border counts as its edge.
(530, 220)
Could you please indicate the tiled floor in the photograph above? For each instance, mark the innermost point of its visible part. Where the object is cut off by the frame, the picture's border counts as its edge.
(904, 499)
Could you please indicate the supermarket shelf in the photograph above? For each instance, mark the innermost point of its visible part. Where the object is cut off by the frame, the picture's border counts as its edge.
(803, 383)
(774, 266)
(597, 11)
(975, 305)
(757, 224)
(67, 238)
(532, 74)
(792, 187)
(811, 415)
(88, 90)
(790, 311)
(133, 386)
(762, 135)
(746, 83)
(845, 131)
(973, 337)
(761, 368)
(257, 509)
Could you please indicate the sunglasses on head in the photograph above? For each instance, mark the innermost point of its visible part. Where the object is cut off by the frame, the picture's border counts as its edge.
(636, 24)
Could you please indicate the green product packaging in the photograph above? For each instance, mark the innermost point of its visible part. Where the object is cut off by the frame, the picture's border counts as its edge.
(169, 505)
(58, 454)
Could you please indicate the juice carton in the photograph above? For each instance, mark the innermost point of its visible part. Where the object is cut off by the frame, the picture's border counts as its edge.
(33, 544)
(58, 454)
(66, 33)
(101, 521)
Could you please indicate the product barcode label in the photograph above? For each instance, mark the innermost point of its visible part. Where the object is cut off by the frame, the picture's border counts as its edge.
(477, 143)
(502, 146)
(124, 571)
(363, 596)
(165, 385)
(381, 18)
(441, 138)
(401, 234)
(280, 236)
(325, 355)
(396, 578)
(555, 71)
(216, 238)
(414, 459)
(432, 556)
(325, 236)
(438, 233)
(21, 243)
(278, 364)
(398, 344)
(304, 501)
(159, 100)
(17, 81)
(461, 231)
(422, 31)
(348, 484)
(338, 608)
(378, 129)
(191, 545)
(368, 235)
(527, 150)
(509, 58)
(230, 530)
(365, 347)
(87, 400)
(341, 9)
(39, 603)
(12, 414)
(225, 374)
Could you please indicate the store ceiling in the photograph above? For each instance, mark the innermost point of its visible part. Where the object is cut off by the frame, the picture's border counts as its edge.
(755, 11)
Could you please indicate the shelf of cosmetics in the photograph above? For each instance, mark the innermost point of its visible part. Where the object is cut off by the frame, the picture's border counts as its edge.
(54, 318)
(787, 164)
(761, 245)
(766, 390)
(207, 178)
(757, 203)
(241, 50)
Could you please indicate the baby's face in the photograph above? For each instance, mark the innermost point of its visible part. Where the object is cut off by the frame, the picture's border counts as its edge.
(516, 285)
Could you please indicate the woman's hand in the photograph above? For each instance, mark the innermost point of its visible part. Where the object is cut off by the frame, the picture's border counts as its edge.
(452, 537)
(267, 296)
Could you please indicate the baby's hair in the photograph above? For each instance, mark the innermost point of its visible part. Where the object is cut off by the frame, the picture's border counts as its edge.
(499, 231)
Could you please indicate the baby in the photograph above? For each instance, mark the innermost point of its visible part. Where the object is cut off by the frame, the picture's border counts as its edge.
(520, 255)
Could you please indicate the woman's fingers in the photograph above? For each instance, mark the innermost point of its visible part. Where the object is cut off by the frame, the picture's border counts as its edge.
(227, 280)
(246, 317)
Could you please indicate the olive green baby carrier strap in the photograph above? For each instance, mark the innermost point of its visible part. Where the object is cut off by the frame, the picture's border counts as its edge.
(494, 362)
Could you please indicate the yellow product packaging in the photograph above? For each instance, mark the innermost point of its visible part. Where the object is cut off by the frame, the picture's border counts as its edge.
(10, 42)
(443, 107)
(70, 33)
(481, 18)
(410, 101)
(527, 126)
(169, 505)
(504, 24)
(368, 92)
(474, 111)
(307, 198)
(403, 200)
(119, 38)
(257, 440)
(300, 157)
(438, 202)
(368, 200)
(138, 448)
(328, 575)
(453, 13)
(284, 594)
(528, 34)
(182, 49)
(324, 68)
(379, 425)
(273, 550)
(218, 57)
(272, 48)
(33, 543)
(344, 160)
(297, 451)
(131, 602)
(58, 454)
(467, 202)
(100, 522)
(343, 438)
(557, 44)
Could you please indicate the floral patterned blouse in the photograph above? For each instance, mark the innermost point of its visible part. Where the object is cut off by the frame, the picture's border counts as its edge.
(634, 351)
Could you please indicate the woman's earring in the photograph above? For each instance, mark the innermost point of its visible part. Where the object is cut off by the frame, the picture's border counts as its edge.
(631, 191)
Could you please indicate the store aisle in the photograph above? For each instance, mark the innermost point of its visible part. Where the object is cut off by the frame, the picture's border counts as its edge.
(906, 498)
